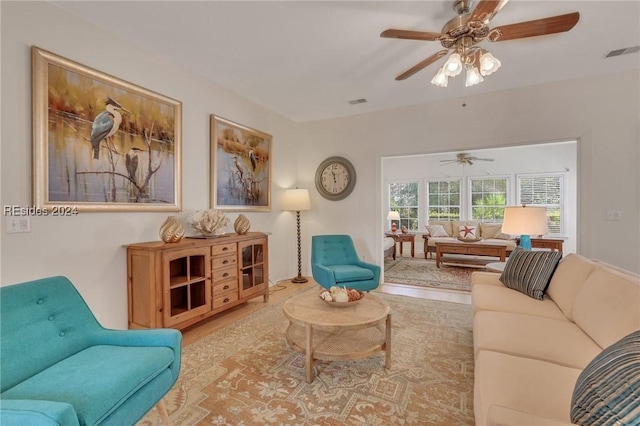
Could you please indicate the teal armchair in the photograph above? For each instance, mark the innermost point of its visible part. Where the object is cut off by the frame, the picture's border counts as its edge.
(59, 366)
(335, 262)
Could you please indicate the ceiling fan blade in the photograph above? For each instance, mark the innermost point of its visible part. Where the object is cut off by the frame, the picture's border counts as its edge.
(483, 159)
(410, 35)
(414, 69)
(538, 27)
(445, 162)
(486, 9)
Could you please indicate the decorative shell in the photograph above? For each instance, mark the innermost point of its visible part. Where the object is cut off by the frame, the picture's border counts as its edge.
(209, 222)
(241, 225)
(171, 230)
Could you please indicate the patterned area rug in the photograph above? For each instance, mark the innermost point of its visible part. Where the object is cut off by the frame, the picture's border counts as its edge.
(245, 374)
(423, 273)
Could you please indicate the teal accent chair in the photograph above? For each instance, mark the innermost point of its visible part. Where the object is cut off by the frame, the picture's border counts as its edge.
(59, 366)
(335, 262)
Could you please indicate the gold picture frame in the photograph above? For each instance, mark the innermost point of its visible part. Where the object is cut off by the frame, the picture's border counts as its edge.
(101, 143)
(240, 167)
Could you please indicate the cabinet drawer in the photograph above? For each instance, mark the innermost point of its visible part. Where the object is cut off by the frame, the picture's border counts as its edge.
(224, 261)
(224, 274)
(224, 287)
(219, 249)
(224, 299)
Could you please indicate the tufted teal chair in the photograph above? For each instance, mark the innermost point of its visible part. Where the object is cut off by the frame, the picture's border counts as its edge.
(334, 261)
(59, 366)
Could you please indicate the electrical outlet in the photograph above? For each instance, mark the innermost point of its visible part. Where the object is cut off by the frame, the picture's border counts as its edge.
(613, 215)
(17, 224)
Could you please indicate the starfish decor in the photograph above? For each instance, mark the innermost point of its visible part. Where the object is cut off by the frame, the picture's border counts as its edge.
(468, 230)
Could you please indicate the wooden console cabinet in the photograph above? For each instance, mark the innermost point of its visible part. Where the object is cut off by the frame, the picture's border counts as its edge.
(178, 284)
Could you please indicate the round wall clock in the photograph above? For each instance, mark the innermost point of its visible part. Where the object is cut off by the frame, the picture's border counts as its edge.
(335, 178)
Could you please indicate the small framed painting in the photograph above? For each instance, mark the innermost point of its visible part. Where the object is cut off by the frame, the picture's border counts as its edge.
(100, 143)
(240, 167)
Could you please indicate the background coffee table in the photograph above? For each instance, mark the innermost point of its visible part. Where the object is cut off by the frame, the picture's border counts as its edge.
(475, 249)
(328, 333)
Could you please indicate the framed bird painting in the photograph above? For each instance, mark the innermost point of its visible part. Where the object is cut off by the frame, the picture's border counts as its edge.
(101, 143)
(240, 167)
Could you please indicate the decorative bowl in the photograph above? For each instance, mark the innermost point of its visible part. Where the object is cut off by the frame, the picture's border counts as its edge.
(467, 240)
(359, 294)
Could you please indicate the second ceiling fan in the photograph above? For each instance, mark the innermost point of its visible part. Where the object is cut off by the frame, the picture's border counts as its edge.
(461, 35)
(464, 158)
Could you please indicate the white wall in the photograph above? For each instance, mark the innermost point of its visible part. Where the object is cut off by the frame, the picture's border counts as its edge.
(90, 248)
(602, 113)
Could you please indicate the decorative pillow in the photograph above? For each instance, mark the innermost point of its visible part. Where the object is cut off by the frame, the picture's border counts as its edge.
(529, 272)
(467, 232)
(489, 230)
(502, 236)
(436, 231)
(446, 224)
(607, 391)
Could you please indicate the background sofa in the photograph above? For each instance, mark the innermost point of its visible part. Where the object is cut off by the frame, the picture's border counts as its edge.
(529, 353)
(58, 366)
(491, 233)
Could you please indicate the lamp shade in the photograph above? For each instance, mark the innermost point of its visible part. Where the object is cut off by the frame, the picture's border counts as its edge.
(296, 200)
(525, 220)
(393, 215)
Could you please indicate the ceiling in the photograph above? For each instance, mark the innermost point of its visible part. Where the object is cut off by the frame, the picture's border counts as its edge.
(307, 59)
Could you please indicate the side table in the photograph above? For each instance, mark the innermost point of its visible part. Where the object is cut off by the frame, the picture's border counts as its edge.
(401, 238)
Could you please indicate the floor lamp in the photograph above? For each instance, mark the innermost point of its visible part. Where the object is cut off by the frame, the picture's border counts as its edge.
(297, 200)
(525, 221)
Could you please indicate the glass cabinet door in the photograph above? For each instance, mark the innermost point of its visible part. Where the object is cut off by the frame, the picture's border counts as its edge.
(187, 294)
(253, 265)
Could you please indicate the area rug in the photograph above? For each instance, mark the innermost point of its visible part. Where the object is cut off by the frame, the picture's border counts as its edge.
(424, 273)
(245, 374)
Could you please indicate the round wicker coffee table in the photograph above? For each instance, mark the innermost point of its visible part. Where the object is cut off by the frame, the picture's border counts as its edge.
(327, 333)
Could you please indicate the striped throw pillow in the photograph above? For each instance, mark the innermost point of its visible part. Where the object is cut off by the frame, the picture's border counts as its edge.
(607, 391)
(529, 272)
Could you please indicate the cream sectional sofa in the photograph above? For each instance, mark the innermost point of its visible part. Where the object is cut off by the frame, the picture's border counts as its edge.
(529, 353)
(491, 233)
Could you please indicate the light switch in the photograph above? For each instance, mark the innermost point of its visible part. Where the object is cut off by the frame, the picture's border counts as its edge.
(18, 224)
(613, 215)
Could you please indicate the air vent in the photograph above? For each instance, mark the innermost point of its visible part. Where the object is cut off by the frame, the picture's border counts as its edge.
(358, 101)
(625, 51)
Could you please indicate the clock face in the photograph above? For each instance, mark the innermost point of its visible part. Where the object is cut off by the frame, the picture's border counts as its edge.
(335, 178)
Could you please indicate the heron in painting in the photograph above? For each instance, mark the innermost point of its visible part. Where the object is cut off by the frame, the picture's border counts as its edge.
(105, 125)
(253, 160)
(131, 162)
(238, 166)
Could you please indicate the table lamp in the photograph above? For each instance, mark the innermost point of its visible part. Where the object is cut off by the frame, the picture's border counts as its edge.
(393, 215)
(297, 200)
(525, 221)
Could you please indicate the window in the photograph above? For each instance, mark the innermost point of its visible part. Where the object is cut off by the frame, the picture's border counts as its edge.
(403, 197)
(545, 191)
(488, 199)
(443, 200)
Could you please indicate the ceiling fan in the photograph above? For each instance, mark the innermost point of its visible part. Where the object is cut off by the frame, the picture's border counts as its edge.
(462, 34)
(464, 158)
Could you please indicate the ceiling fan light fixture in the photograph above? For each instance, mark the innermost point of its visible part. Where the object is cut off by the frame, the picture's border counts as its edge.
(488, 63)
(473, 77)
(453, 66)
(440, 79)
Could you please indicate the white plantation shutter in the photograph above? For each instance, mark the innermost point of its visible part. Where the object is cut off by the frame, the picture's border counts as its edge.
(546, 191)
